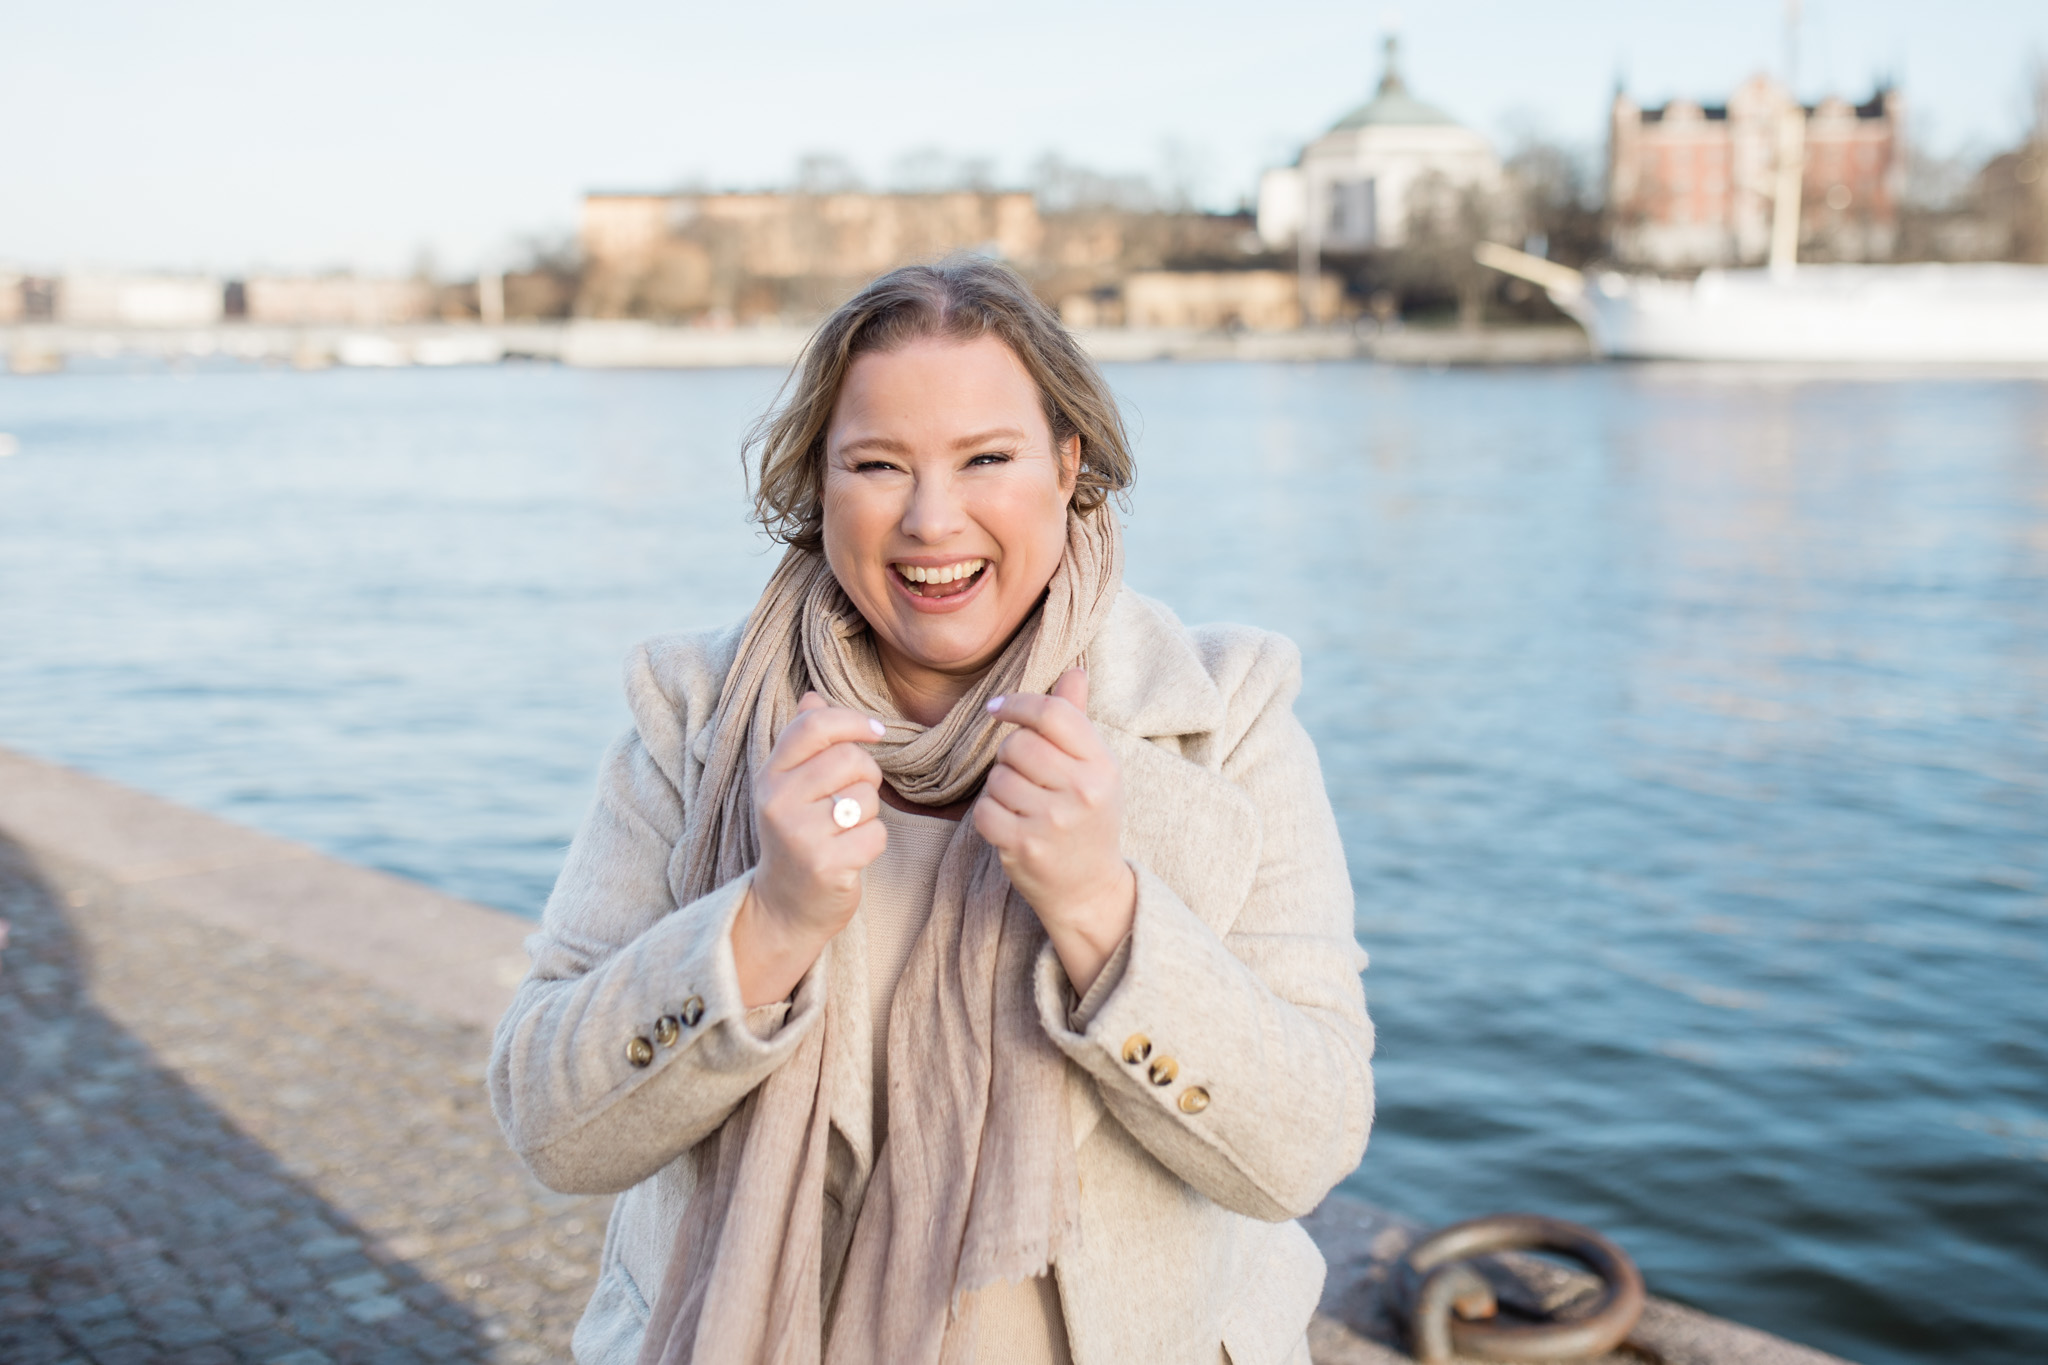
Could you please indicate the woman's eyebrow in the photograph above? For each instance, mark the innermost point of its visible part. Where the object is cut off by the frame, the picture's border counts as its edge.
(993, 436)
(888, 443)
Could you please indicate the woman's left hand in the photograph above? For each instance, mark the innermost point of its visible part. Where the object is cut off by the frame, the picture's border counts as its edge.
(1053, 808)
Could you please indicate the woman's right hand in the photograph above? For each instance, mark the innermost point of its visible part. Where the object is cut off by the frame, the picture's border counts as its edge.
(807, 882)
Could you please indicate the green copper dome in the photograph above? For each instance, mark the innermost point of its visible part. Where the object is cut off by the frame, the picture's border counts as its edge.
(1392, 105)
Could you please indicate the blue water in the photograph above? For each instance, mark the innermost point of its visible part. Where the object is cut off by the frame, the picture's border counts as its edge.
(1688, 730)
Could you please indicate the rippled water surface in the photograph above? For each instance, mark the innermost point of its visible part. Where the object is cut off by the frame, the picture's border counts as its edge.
(1688, 729)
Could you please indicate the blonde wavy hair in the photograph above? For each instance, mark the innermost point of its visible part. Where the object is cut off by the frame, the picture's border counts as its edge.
(962, 298)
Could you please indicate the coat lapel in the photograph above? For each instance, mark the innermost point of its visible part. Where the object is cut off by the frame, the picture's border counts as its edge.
(1189, 824)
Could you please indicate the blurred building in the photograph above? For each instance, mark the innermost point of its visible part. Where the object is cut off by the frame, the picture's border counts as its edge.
(300, 300)
(1209, 300)
(721, 259)
(741, 257)
(1367, 182)
(1091, 254)
(1692, 185)
(547, 291)
(138, 300)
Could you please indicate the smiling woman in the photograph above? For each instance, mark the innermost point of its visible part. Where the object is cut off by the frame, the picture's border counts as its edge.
(957, 831)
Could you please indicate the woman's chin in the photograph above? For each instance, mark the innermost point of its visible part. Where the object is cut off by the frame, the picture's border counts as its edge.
(955, 643)
(959, 634)
(947, 651)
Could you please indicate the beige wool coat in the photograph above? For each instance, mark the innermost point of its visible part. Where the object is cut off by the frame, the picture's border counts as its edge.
(1219, 1077)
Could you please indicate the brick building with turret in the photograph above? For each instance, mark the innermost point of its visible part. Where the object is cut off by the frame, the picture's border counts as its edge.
(1692, 185)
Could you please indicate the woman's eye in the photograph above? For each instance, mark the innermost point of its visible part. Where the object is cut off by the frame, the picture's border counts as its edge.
(866, 465)
(990, 457)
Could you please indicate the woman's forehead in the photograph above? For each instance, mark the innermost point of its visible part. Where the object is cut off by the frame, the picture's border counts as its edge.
(937, 391)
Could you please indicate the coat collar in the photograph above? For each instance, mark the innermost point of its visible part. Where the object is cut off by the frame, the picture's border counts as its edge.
(1144, 676)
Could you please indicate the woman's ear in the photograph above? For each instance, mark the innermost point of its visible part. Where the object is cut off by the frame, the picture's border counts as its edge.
(1070, 463)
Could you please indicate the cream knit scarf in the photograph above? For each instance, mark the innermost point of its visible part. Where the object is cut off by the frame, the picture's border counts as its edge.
(978, 1185)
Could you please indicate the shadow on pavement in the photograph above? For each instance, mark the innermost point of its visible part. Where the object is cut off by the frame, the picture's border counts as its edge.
(138, 1222)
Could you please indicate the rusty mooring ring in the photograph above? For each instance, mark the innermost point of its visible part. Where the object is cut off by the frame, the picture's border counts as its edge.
(1437, 1259)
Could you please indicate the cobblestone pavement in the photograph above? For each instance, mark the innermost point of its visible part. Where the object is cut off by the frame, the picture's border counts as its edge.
(211, 1151)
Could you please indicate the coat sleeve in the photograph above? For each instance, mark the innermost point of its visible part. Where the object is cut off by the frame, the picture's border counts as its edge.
(572, 1082)
(1241, 1061)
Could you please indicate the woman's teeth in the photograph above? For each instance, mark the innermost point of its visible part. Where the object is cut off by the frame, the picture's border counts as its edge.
(941, 580)
(944, 573)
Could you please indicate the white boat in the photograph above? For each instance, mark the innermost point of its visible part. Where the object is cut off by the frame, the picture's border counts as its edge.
(1976, 314)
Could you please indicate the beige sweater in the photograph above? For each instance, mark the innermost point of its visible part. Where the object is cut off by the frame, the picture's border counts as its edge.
(1218, 1087)
(1016, 1323)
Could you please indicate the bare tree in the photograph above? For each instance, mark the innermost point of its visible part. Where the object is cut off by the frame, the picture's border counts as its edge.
(1967, 205)
(1445, 222)
(1185, 170)
(1062, 186)
(1555, 197)
(932, 170)
(546, 283)
(825, 173)
(2030, 174)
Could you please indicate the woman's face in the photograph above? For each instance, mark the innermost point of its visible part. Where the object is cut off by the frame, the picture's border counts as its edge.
(945, 503)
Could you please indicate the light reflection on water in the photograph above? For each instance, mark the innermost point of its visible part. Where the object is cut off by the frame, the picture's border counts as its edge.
(1688, 729)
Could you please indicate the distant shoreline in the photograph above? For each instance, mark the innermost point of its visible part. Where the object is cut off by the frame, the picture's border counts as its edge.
(34, 348)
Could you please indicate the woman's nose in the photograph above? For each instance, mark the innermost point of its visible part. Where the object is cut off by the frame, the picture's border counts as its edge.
(934, 512)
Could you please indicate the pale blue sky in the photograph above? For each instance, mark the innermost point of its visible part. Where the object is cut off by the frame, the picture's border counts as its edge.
(233, 135)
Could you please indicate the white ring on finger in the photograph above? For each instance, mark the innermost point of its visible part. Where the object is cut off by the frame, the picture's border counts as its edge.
(846, 812)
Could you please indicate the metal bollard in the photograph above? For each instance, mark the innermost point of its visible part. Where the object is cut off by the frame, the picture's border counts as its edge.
(1437, 1261)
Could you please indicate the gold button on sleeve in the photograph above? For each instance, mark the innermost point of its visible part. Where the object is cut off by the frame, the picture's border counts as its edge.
(667, 1030)
(1194, 1100)
(1163, 1070)
(1137, 1048)
(692, 1011)
(639, 1052)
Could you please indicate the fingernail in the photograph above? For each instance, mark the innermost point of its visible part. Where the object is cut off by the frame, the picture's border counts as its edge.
(995, 704)
(877, 726)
